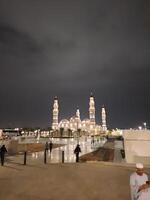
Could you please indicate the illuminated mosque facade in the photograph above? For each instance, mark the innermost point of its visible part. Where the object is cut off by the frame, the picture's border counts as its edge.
(75, 123)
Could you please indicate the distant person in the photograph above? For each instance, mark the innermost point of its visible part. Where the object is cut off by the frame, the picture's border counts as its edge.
(50, 146)
(77, 151)
(46, 146)
(139, 184)
(122, 151)
(3, 150)
(92, 141)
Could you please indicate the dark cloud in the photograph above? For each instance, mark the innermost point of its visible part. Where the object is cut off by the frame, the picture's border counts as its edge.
(68, 48)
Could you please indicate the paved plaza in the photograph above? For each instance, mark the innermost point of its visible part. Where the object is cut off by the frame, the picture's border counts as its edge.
(73, 181)
(66, 181)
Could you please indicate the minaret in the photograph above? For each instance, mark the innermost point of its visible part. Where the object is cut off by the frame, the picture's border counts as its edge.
(104, 127)
(55, 114)
(78, 114)
(92, 111)
(78, 119)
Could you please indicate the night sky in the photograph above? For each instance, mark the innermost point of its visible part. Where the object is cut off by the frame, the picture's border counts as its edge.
(69, 48)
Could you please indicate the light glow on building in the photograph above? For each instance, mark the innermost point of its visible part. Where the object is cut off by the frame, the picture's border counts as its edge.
(75, 123)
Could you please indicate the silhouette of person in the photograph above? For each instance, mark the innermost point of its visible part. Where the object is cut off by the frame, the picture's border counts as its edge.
(77, 151)
(50, 146)
(92, 141)
(46, 146)
(3, 150)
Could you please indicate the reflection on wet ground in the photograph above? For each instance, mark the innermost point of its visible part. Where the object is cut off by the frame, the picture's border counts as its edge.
(68, 147)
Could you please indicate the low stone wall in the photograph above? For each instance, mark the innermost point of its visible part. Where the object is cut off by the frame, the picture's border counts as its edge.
(12, 147)
(137, 146)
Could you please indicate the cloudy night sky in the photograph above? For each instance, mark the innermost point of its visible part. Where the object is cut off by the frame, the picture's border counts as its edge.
(69, 48)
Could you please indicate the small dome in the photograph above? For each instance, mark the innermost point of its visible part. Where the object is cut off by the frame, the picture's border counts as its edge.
(73, 119)
(86, 120)
(64, 123)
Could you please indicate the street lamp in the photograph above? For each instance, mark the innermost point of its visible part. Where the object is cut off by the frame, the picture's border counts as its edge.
(144, 125)
(140, 127)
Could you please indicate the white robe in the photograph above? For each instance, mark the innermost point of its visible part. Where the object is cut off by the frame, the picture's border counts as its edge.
(135, 182)
(144, 195)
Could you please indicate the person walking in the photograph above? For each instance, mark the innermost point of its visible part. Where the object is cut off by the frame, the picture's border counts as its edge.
(3, 150)
(77, 151)
(50, 146)
(46, 146)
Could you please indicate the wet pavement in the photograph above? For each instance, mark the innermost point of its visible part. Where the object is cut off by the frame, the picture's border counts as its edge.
(68, 147)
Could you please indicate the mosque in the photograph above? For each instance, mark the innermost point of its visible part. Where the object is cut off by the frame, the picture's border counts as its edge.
(75, 123)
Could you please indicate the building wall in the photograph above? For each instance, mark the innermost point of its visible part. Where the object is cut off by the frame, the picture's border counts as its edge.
(137, 146)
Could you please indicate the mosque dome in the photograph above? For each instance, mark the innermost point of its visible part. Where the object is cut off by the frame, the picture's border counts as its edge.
(85, 124)
(75, 123)
(64, 123)
(85, 121)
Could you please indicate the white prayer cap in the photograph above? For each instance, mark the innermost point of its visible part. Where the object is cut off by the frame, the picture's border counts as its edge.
(139, 165)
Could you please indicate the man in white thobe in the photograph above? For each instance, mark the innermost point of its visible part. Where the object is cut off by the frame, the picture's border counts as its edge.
(139, 184)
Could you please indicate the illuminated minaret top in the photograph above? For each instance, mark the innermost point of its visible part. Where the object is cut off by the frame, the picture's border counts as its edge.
(92, 111)
(104, 127)
(78, 114)
(55, 114)
(78, 118)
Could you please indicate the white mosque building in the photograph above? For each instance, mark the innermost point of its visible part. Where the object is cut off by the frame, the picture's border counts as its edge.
(74, 123)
